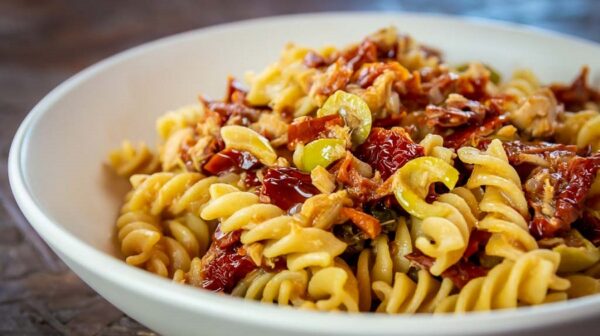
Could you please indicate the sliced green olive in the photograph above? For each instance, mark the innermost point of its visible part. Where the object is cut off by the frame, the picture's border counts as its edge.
(322, 152)
(353, 110)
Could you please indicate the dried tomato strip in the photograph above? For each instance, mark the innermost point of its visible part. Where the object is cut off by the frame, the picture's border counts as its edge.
(460, 273)
(367, 223)
(310, 129)
(231, 160)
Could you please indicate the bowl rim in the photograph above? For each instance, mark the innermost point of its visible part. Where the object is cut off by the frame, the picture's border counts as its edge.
(225, 307)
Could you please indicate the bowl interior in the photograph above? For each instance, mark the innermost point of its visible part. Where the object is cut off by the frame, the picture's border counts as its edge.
(71, 131)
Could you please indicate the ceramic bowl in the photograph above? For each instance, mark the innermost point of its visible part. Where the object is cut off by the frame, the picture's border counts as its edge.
(60, 183)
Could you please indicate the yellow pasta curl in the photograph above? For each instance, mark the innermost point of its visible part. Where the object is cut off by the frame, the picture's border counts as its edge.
(285, 287)
(333, 288)
(184, 117)
(170, 192)
(138, 233)
(503, 201)
(443, 227)
(589, 134)
(282, 235)
(407, 297)
(524, 281)
(129, 160)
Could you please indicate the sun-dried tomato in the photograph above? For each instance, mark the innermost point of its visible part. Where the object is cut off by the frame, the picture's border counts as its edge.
(389, 121)
(589, 227)
(236, 93)
(366, 52)
(460, 273)
(576, 95)
(477, 240)
(517, 150)
(570, 180)
(185, 152)
(456, 112)
(388, 150)
(471, 135)
(286, 187)
(231, 160)
(367, 223)
(359, 187)
(472, 87)
(463, 272)
(224, 264)
(425, 87)
(226, 240)
(225, 270)
(314, 60)
(309, 129)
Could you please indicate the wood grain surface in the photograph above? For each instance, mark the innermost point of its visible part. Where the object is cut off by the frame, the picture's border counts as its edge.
(43, 42)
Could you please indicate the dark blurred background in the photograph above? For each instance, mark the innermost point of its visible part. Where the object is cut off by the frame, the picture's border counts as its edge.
(43, 42)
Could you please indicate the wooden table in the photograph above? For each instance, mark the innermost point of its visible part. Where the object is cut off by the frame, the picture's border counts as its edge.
(44, 42)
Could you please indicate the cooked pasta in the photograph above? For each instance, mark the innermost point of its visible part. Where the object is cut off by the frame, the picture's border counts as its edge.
(373, 178)
(525, 281)
(443, 227)
(129, 160)
(503, 201)
(282, 235)
(285, 287)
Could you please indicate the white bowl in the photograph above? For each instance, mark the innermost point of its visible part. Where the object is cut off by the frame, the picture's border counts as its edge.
(57, 175)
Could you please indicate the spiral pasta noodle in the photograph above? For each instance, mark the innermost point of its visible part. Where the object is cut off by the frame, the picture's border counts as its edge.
(382, 260)
(433, 145)
(589, 134)
(170, 192)
(443, 227)
(503, 201)
(139, 235)
(407, 297)
(333, 288)
(129, 160)
(285, 287)
(281, 235)
(526, 280)
(522, 85)
(533, 109)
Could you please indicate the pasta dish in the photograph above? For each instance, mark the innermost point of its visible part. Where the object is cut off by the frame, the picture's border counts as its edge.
(373, 178)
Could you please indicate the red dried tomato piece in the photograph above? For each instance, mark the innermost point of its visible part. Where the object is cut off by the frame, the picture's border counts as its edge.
(226, 240)
(477, 240)
(235, 91)
(517, 151)
(471, 135)
(589, 227)
(231, 160)
(314, 60)
(388, 150)
(310, 129)
(224, 264)
(367, 223)
(286, 187)
(366, 52)
(571, 181)
(460, 273)
(224, 270)
(576, 95)
(458, 111)
(359, 187)
(463, 272)
(424, 88)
